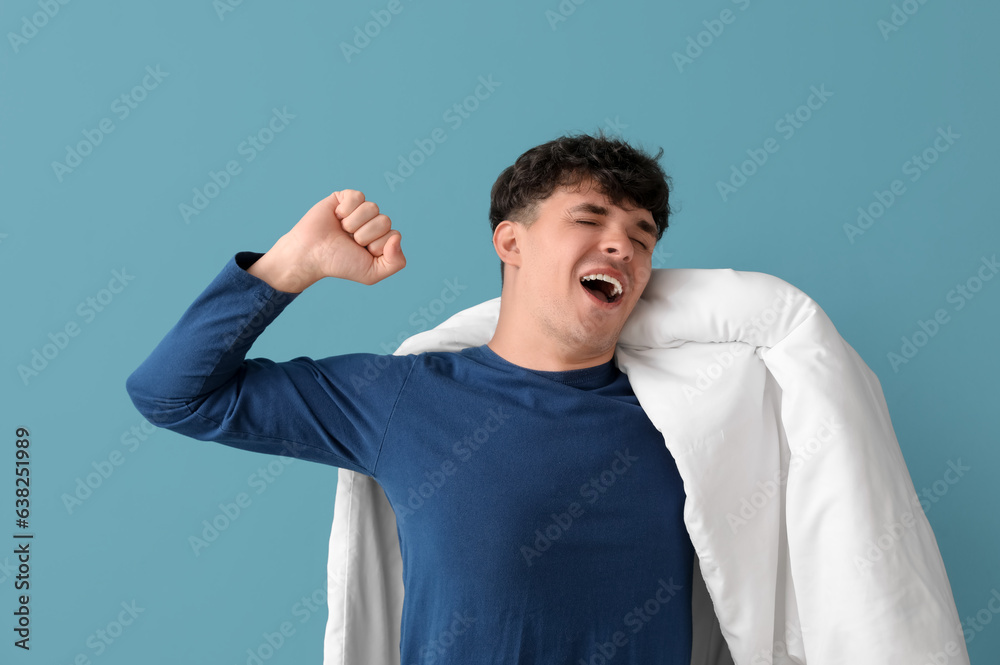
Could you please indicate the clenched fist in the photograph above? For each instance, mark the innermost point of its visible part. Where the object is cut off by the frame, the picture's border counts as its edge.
(342, 236)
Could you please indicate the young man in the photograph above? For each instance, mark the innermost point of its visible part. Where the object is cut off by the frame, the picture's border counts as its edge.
(568, 448)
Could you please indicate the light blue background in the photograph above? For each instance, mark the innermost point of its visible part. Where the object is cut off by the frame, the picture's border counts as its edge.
(606, 65)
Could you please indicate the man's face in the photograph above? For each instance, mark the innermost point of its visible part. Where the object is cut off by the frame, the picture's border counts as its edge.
(578, 232)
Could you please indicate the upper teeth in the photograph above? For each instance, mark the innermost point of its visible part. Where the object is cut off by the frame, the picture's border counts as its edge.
(606, 278)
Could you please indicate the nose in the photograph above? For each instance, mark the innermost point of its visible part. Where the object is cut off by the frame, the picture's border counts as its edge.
(617, 242)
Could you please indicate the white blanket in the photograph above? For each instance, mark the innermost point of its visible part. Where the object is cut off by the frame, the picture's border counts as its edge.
(812, 545)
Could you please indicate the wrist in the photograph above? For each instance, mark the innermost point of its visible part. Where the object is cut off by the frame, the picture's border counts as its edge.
(281, 270)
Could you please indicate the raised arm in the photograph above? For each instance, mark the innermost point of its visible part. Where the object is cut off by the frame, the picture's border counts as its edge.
(198, 382)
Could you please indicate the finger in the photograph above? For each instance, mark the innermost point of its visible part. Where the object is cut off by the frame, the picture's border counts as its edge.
(363, 214)
(349, 200)
(392, 259)
(325, 207)
(372, 230)
(377, 247)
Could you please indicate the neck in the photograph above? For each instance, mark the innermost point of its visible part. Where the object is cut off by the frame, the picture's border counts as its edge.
(518, 340)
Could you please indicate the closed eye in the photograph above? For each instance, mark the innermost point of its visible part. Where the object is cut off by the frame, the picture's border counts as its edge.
(589, 223)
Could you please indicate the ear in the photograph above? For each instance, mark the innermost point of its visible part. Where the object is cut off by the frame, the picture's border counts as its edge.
(505, 239)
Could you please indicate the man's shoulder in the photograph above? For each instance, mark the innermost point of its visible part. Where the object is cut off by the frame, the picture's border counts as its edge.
(441, 358)
(426, 360)
(445, 361)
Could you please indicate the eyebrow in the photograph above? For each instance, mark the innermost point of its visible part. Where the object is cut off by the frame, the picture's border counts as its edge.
(595, 209)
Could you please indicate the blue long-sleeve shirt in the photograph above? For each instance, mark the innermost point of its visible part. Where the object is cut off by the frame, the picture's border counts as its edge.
(539, 513)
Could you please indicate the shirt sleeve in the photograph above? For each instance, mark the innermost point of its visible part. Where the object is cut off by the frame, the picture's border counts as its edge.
(198, 382)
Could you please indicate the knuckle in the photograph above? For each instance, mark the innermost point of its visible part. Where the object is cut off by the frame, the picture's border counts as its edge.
(352, 197)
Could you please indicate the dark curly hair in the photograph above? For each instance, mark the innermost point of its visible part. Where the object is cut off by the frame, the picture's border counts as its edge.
(623, 173)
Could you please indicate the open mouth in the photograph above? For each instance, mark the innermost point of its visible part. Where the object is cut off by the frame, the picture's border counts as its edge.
(603, 288)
